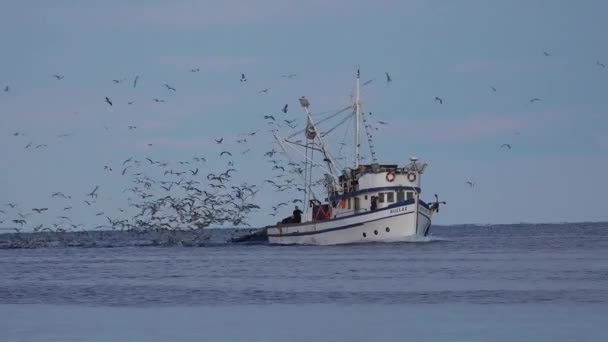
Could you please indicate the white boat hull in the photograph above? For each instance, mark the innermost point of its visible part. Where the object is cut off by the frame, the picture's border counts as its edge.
(393, 223)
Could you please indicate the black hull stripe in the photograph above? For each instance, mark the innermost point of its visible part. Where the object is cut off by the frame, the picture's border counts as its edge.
(337, 228)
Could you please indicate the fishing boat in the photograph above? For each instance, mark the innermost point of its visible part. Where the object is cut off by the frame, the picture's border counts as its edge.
(356, 203)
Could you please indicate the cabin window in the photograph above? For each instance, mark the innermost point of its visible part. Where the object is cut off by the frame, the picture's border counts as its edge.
(410, 195)
(381, 197)
(357, 204)
(400, 196)
(349, 205)
(390, 197)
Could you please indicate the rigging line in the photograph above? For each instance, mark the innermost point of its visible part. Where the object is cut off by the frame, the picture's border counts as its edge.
(310, 181)
(291, 160)
(305, 177)
(327, 158)
(343, 143)
(369, 139)
(337, 125)
(321, 121)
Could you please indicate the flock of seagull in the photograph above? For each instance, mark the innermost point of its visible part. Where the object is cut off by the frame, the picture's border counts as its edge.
(169, 195)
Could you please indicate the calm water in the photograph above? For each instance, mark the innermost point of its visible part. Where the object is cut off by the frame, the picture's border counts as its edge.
(540, 282)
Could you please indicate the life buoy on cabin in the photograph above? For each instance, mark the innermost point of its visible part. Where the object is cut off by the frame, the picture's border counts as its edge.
(411, 176)
(343, 204)
(390, 176)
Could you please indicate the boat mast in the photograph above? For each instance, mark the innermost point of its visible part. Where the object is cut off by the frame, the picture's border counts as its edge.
(357, 115)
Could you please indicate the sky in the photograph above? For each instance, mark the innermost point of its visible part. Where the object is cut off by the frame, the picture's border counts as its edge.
(455, 50)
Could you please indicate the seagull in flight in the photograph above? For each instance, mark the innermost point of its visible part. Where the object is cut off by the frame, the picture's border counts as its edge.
(470, 183)
(159, 100)
(388, 77)
(264, 91)
(438, 99)
(108, 101)
(269, 117)
(169, 87)
(59, 77)
(290, 76)
(284, 110)
(546, 54)
(135, 81)
(93, 194)
(195, 70)
(598, 63)
(506, 145)
(536, 99)
(219, 141)
(243, 78)
(493, 88)
(6, 89)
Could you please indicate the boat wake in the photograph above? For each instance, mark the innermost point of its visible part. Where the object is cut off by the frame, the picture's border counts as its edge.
(417, 239)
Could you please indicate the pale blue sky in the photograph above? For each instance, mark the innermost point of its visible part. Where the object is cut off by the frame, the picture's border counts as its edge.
(452, 49)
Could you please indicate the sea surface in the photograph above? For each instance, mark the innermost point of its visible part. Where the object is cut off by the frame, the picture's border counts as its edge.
(541, 282)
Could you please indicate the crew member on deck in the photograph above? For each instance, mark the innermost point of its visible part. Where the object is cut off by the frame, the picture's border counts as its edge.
(297, 215)
(374, 204)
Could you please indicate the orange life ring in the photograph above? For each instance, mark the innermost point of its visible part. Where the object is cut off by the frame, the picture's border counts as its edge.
(411, 177)
(390, 176)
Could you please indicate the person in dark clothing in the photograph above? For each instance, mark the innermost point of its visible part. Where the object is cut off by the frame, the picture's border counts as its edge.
(374, 201)
(297, 215)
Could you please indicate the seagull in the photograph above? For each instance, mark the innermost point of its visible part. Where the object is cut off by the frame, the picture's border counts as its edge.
(132, 127)
(388, 77)
(438, 99)
(195, 70)
(226, 152)
(470, 183)
(93, 194)
(535, 100)
(264, 91)
(290, 76)
(59, 77)
(506, 145)
(169, 87)
(435, 205)
(243, 78)
(368, 81)
(269, 117)
(39, 210)
(159, 101)
(600, 64)
(284, 110)
(108, 101)
(118, 81)
(304, 102)
(383, 122)
(219, 141)
(6, 89)
(493, 88)
(546, 54)
(135, 81)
